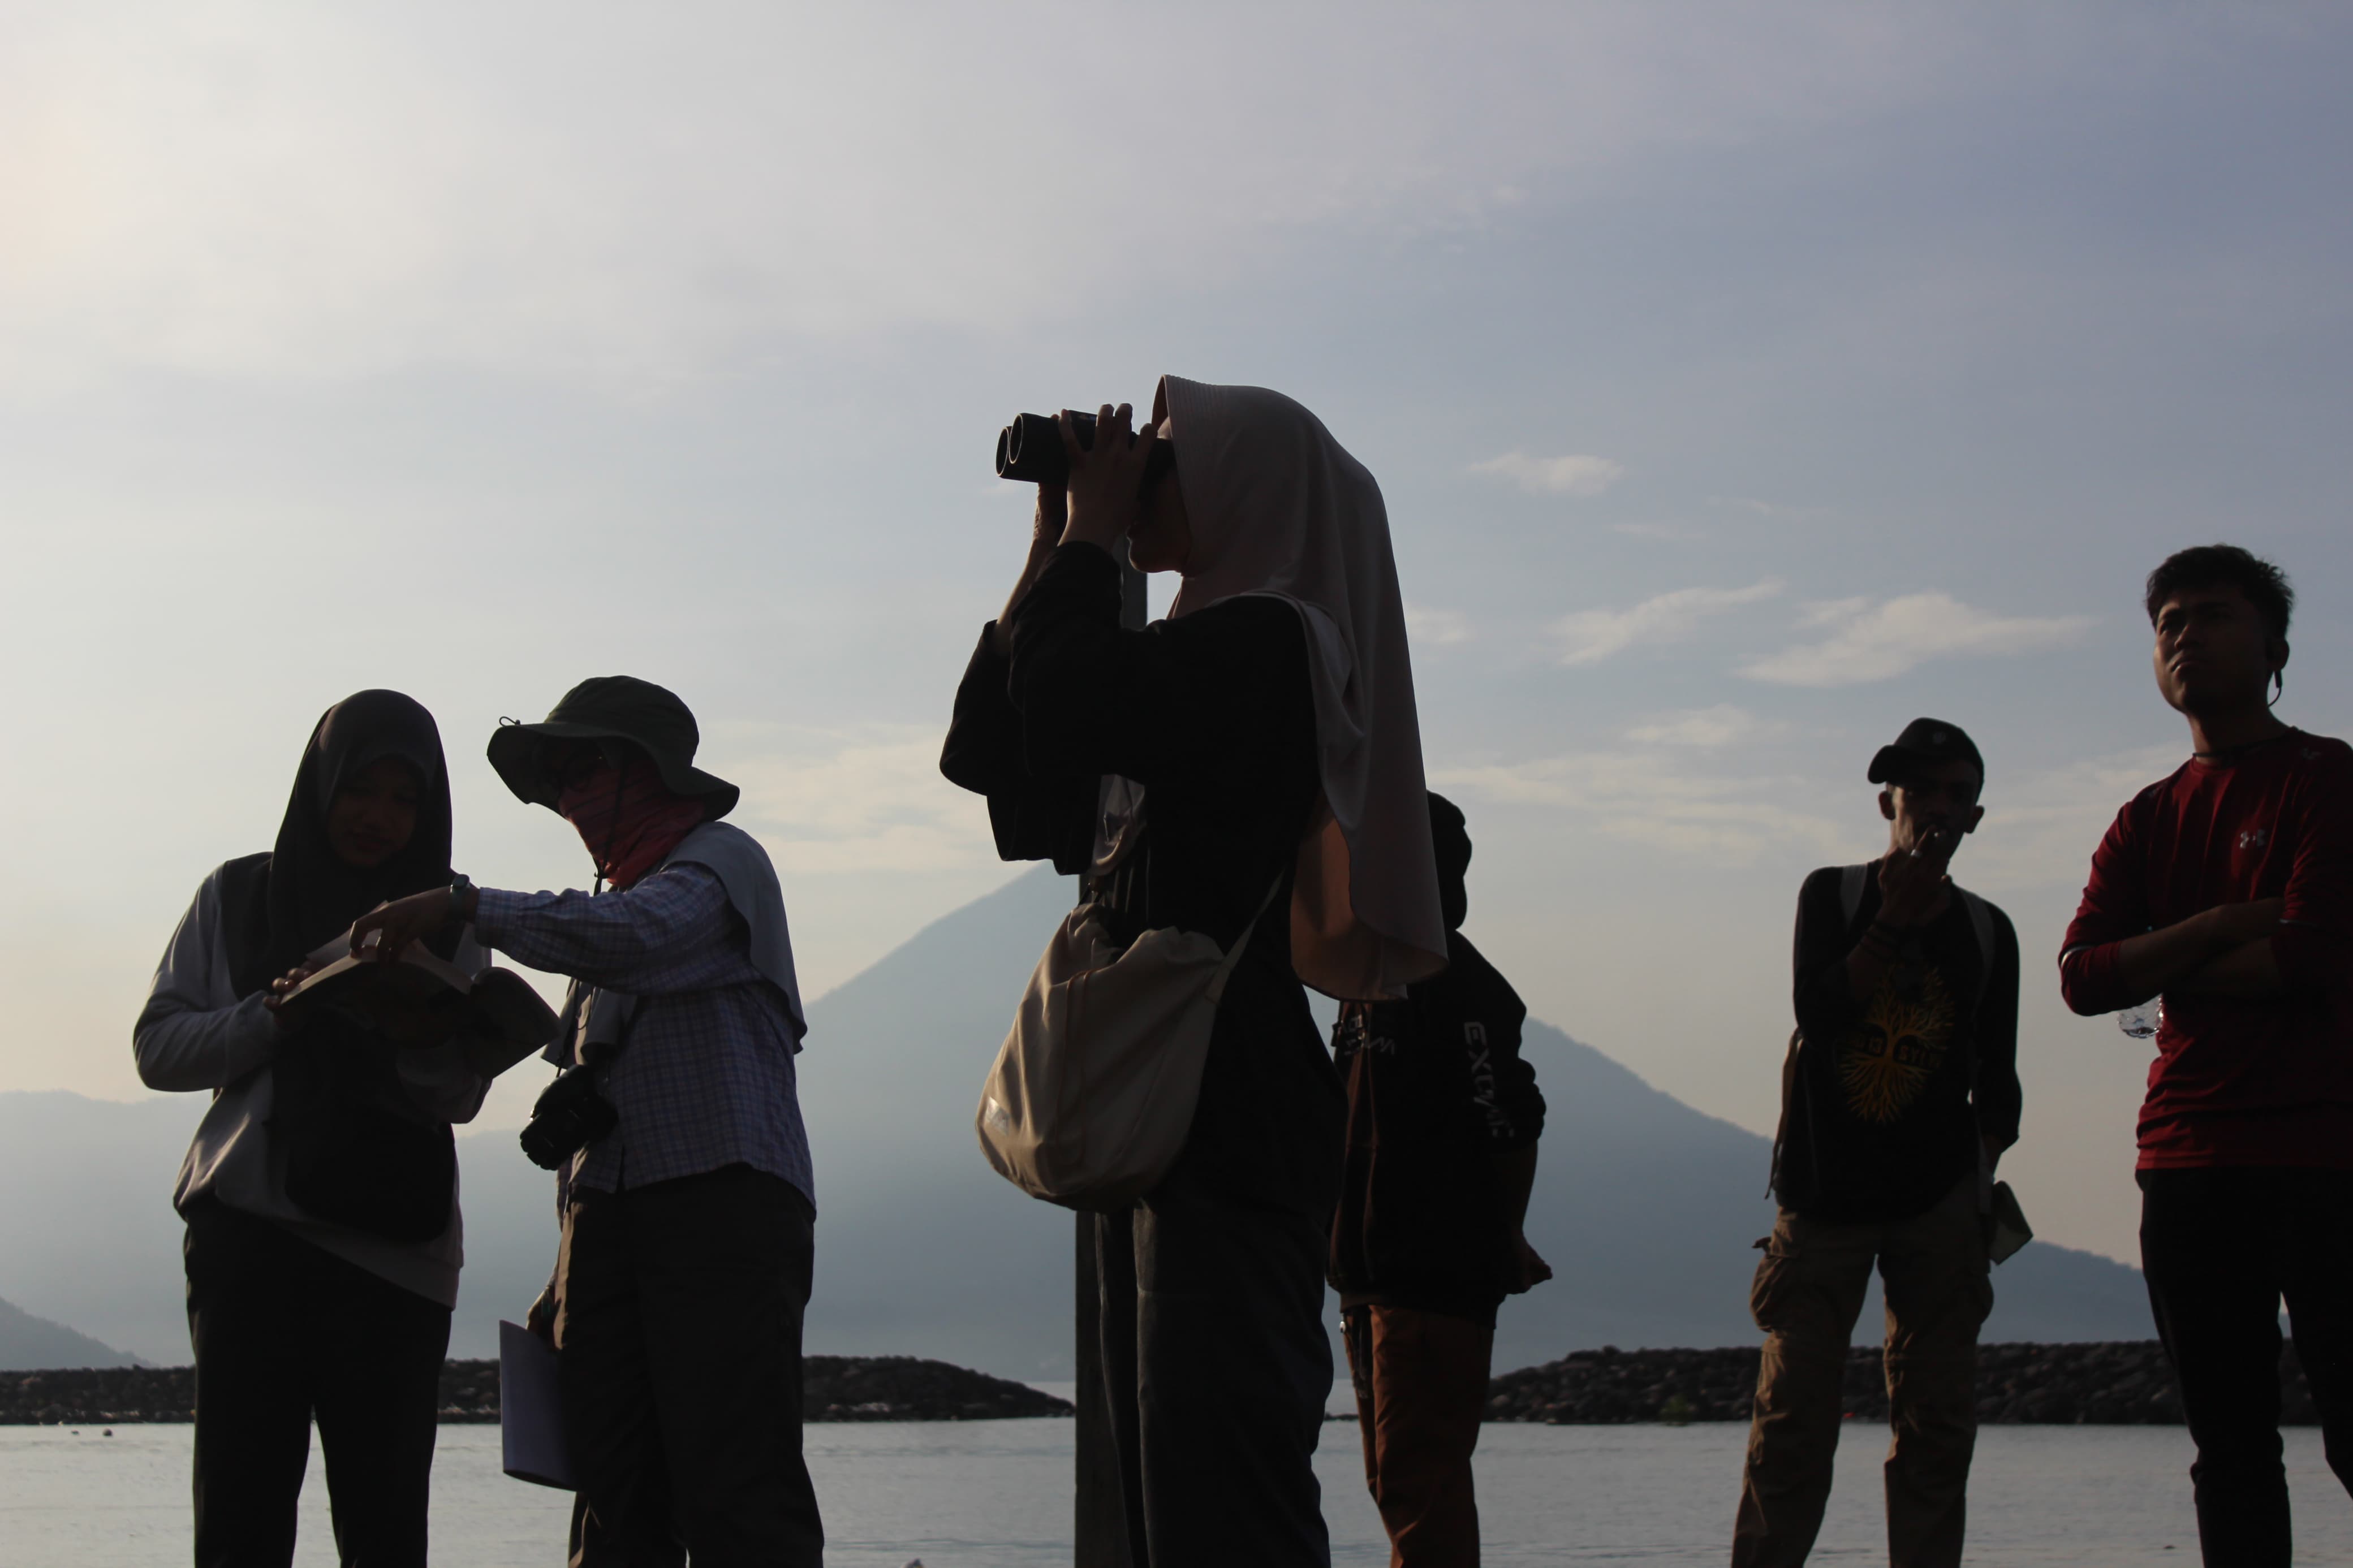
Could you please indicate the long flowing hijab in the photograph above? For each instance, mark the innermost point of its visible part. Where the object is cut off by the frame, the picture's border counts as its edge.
(311, 893)
(1278, 508)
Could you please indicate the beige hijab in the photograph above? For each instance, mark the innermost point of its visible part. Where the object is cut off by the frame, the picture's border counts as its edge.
(1278, 508)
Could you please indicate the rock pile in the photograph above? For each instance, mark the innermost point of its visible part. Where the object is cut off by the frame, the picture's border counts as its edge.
(2125, 1383)
(835, 1388)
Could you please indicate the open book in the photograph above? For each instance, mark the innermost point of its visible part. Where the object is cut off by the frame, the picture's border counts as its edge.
(421, 999)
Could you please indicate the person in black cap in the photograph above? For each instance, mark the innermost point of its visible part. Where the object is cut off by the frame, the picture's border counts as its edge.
(1899, 1093)
(682, 1165)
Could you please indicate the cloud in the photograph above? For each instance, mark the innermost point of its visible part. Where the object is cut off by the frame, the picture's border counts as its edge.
(2041, 830)
(1576, 474)
(1649, 798)
(335, 191)
(1436, 628)
(1589, 636)
(1703, 727)
(867, 799)
(1870, 642)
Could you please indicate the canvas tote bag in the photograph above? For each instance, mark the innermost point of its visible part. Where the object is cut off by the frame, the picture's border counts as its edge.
(1094, 1090)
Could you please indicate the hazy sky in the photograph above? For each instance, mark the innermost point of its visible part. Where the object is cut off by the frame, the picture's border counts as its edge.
(1744, 380)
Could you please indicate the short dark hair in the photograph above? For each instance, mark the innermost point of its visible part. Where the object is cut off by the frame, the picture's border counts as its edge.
(2224, 566)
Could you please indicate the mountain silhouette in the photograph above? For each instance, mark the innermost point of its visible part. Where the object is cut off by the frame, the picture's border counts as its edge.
(1646, 1208)
(29, 1344)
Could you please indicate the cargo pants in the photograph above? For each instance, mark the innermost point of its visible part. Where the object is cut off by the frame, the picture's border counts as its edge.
(1808, 1293)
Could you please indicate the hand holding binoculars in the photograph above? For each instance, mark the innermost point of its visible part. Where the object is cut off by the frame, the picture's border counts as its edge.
(1030, 450)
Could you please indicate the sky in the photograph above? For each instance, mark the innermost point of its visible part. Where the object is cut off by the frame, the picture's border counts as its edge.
(1743, 380)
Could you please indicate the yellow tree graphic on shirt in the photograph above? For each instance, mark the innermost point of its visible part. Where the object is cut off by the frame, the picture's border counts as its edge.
(1897, 1045)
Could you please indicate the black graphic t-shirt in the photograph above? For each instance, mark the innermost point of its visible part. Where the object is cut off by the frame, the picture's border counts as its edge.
(1885, 1114)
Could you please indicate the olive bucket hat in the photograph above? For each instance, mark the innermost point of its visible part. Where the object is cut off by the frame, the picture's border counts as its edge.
(611, 707)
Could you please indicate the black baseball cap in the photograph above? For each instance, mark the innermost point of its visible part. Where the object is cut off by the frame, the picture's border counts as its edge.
(1925, 740)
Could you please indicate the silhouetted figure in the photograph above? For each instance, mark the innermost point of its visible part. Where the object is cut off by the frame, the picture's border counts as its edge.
(320, 1193)
(1443, 1119)
(2227, 888)
(1900, 1092)
(1189, 769)
(688, 1218)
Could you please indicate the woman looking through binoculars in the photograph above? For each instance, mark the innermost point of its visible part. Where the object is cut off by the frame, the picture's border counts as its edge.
(1257, 749)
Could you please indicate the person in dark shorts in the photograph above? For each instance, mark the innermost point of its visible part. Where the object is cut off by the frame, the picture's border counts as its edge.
(1443, 1119)
(1899, 1093)
(2227, 888)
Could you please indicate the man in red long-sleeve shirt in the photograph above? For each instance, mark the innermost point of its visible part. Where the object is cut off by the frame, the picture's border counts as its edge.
(2227, 888)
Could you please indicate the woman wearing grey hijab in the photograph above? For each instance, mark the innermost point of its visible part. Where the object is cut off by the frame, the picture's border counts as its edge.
(1263, 735)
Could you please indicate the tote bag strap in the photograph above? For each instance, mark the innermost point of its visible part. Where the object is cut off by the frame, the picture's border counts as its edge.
(1216, 991)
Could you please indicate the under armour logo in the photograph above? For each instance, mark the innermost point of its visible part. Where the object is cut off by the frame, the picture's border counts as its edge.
(2254, 838)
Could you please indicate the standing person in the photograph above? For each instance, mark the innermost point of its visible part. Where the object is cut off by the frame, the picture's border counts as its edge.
(320, 1196)
(2227, 887)
(1899, 1094)
(1258, 750)
(1443, 1119)
(689, 1211)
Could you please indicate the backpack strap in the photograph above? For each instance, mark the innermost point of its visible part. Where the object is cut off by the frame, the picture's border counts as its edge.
(1851, 882)
(1980, 927)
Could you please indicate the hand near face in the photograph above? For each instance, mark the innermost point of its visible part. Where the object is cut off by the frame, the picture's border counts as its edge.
(1913, 882)
(1106, 482)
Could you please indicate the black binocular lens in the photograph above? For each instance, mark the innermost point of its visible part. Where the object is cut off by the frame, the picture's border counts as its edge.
(1031, 448)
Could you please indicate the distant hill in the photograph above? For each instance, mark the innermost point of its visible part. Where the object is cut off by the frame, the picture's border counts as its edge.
(30, 1344)
(1645, 1207)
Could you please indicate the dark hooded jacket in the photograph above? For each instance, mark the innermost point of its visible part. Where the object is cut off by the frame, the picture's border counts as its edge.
(358, 1151)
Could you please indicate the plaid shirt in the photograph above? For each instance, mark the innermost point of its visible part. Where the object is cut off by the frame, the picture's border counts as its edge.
(707, 1079)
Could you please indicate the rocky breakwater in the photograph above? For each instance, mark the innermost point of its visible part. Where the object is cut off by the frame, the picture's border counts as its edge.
(2117, 1383)
(833, 1388)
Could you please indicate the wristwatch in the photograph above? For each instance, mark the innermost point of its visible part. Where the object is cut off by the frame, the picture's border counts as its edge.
(462, 889)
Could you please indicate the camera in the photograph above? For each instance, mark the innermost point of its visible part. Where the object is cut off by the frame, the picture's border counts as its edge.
(1029, 450)
(568, 1116)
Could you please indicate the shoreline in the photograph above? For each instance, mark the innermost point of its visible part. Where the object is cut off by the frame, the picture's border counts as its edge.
(2103, 1383)
(833, 1388)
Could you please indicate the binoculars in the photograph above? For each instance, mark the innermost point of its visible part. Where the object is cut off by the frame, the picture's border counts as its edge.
(1030, 450)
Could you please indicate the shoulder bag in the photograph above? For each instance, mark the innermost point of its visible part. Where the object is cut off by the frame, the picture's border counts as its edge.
(1092, 1093)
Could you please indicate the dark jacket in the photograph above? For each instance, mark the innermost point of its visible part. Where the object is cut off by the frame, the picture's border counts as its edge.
(1436, 1089)
(1213, 716)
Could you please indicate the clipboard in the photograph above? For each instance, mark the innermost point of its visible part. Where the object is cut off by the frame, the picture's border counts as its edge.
(531, 1411)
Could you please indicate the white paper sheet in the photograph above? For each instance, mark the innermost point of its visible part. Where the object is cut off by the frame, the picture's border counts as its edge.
(530, 1410)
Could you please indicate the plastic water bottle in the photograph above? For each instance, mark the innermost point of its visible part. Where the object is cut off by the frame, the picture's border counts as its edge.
(2143, 1022)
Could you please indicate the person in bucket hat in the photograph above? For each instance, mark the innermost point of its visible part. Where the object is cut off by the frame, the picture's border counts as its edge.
(675, 1130)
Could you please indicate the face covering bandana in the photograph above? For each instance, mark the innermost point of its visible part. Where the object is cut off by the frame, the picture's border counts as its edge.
(628, 818)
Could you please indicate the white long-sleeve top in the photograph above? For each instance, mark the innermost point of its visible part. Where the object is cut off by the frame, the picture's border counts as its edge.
(195, 1033)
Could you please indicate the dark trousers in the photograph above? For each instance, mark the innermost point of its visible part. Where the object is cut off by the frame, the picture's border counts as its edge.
(1421, 1388)
(2220, 1248)
(286, 1333)
(679, 1333)
(1217, 1368)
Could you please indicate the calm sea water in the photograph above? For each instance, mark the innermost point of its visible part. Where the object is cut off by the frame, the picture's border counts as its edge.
(995, 1494)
